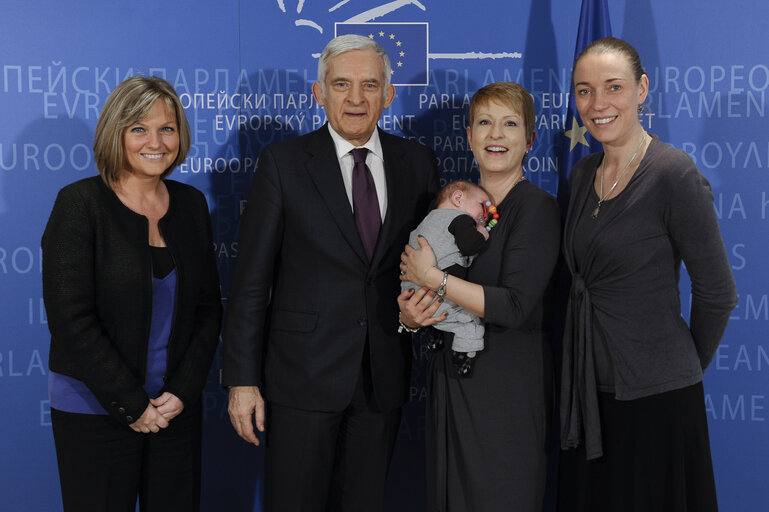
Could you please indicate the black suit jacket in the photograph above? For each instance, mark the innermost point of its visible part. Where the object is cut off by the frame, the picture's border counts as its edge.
(97, 287)
(304, 296)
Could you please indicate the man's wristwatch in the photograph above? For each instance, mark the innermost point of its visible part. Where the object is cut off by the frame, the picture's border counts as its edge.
(441, 291)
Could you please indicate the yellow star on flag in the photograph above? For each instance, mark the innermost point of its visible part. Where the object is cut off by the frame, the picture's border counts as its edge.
(576, 134)
(381, 34)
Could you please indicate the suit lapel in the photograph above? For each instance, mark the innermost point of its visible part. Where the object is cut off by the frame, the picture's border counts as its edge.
(393, 166)
(323, 168)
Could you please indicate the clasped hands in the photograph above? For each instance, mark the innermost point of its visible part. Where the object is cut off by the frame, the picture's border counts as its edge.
(158, 414)
(418, 306)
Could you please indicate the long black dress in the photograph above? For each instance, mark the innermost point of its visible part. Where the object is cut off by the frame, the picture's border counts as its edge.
(487, 434)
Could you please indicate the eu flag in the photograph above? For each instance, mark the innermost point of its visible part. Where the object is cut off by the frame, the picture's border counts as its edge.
(405, 44)
(594, 24)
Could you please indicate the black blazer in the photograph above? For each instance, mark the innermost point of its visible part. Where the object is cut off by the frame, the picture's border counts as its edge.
(304, 297)
(97, 288)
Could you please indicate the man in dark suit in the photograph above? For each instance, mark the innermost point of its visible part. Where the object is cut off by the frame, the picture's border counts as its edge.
(312, 320)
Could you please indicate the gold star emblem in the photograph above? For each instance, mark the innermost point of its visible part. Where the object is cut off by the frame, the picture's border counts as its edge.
(400, 64)
(392, 72)
(392, 36)
(381, 34)
(371, 36)
(398, 43)
(576, 134)
(402, 54)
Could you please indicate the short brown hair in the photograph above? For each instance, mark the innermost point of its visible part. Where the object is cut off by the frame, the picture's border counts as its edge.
(509, 94)
(129, 103)
(449, 188)
(618, 46)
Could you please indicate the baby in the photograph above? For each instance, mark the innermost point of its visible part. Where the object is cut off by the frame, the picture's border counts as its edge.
(456, 230)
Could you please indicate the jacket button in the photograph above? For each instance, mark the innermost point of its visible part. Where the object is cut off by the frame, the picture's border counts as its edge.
(362, 322)
(129, 419)
(121, 410)
(113, 404)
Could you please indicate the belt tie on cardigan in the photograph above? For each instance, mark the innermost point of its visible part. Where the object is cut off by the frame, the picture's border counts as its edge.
(580, 421)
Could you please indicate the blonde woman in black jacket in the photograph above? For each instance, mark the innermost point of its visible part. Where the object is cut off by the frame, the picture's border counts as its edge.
(132, 296)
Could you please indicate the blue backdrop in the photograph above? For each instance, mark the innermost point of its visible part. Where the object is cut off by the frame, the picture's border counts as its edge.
(244, 69)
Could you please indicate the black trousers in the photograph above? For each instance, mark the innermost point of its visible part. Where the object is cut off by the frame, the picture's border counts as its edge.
(329, 461)
(105, 466)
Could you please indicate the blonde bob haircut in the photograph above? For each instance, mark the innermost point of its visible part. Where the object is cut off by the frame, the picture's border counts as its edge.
(509, 94)
(129, 103)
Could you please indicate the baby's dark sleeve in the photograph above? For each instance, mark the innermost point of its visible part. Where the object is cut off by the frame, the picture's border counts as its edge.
(466, 235)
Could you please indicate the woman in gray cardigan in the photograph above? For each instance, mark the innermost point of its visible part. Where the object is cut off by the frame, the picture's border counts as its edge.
(132, 295)
(633, 421)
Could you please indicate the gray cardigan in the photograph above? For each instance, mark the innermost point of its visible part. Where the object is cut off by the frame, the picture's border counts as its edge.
(628, 286)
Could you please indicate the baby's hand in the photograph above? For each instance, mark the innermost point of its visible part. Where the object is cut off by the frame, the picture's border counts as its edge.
(482, 230)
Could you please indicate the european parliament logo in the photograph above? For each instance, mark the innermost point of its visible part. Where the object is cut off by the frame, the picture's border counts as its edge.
(405, 44)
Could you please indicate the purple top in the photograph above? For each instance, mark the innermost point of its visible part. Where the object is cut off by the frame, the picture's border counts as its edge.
(71, 395)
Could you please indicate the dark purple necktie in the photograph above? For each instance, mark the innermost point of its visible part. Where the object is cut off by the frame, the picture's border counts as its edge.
(364, 201)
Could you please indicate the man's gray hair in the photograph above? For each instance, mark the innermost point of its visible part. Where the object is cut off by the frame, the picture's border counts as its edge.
(346, 43)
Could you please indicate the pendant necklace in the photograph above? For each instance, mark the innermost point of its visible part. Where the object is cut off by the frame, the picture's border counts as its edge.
(602, 197)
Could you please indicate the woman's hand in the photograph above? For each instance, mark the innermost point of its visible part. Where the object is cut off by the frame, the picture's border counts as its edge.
(168, 404)
(416, 263)
(150, 421)
(418, 307)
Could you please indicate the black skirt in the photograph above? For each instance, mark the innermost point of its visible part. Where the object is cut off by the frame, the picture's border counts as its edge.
(656, 458)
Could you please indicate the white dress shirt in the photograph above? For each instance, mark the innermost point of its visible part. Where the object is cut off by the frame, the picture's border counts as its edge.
(374, 161)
